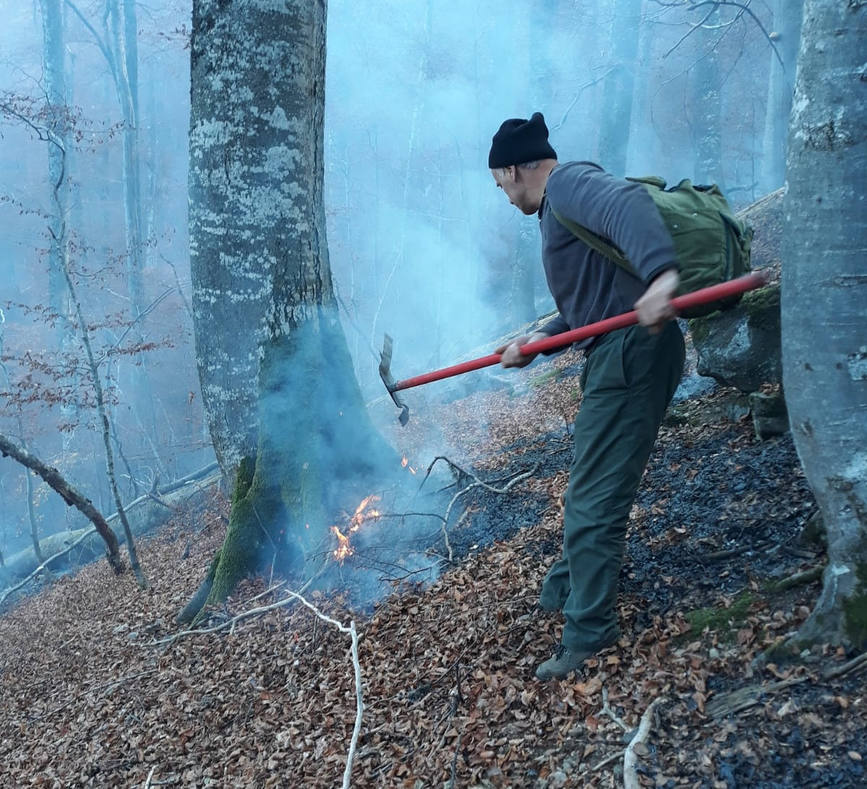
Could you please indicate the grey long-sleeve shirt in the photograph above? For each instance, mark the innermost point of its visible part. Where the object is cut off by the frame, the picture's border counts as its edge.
(586, 286)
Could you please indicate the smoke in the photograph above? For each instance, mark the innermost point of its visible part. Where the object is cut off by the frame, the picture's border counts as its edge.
(422, 244)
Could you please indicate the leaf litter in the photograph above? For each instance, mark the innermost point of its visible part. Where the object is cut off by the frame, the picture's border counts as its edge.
(449, 693)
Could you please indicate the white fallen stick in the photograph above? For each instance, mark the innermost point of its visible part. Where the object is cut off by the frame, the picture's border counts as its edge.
(630, 757)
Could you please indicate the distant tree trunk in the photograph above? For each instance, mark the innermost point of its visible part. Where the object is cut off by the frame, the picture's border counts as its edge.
(55, 91)
(707, 117)
(284, 409)
(824, 290)
(619, 86)
(31, 514)
(69, 494)
(122, 41)
(34, 526)
(781, 85)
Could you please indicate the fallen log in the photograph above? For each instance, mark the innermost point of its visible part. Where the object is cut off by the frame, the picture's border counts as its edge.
(145, 514)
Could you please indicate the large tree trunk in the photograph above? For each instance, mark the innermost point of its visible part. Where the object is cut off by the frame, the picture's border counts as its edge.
(781, 84)
(284, 409)
(824, 332)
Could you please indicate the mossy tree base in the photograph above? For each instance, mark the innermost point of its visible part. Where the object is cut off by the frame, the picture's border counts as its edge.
(840, 614)
(318, 454)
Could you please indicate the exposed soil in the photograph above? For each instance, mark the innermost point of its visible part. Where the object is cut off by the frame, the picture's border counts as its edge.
(92, 699)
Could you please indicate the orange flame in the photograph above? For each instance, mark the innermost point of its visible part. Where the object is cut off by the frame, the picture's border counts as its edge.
(361, 515)
(343, 549)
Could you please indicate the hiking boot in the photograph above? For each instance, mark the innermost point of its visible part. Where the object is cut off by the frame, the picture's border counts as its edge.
(565, 661)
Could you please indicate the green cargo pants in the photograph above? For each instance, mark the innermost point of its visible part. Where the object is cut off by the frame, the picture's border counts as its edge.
(628, 381)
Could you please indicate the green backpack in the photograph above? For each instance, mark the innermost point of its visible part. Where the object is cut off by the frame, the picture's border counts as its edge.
(711, 245)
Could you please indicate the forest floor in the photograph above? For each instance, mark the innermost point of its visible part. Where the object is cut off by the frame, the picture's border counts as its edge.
(717, 572)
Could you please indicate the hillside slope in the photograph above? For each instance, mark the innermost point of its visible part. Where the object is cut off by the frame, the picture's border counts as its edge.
(90, 698)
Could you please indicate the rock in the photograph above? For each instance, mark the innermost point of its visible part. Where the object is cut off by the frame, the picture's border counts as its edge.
(693, 385)
(740, 347)
(770, 416)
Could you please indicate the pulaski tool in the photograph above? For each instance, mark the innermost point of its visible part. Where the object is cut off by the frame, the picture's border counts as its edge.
(385, 374)
(680, 303)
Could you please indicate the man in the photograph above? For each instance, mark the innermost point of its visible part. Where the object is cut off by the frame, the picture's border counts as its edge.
(629, 377)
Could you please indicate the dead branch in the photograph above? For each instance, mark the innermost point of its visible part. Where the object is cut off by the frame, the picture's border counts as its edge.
(230, 623)
(744, 698)
(359, 701)
(69, 494)
(630, 757)
(293, 597)
(798, 579)
(606, 710)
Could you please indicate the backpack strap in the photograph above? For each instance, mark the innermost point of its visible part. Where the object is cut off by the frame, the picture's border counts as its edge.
(594, 241)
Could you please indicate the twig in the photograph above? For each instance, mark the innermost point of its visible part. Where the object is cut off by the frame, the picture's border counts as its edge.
(150, 775)
(479, 484)
(266, 592)
(161, 501)
(607, 760)
(454, 774)
(93, 688)
(606, 710)
(359, 702)
(630, 757)
(230, 622)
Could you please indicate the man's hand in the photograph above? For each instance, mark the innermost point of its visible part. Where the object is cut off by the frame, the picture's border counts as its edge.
(511, 351)
(654, 307)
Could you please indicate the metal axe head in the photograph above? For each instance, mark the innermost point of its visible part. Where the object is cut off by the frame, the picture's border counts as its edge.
(388, 380)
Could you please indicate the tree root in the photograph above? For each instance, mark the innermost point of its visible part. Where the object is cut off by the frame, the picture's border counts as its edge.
(851, 665)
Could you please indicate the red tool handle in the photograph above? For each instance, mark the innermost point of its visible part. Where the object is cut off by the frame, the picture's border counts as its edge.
(680, 303)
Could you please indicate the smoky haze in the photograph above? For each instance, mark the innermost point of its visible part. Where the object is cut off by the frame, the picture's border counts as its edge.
(422, 245)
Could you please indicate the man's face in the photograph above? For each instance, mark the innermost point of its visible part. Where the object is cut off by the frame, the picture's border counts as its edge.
(510, 181)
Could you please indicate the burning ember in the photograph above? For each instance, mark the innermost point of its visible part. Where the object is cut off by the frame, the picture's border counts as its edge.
(405, 463)
(362, 515)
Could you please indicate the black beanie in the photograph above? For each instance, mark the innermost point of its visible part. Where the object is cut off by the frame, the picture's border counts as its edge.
(519, 140)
